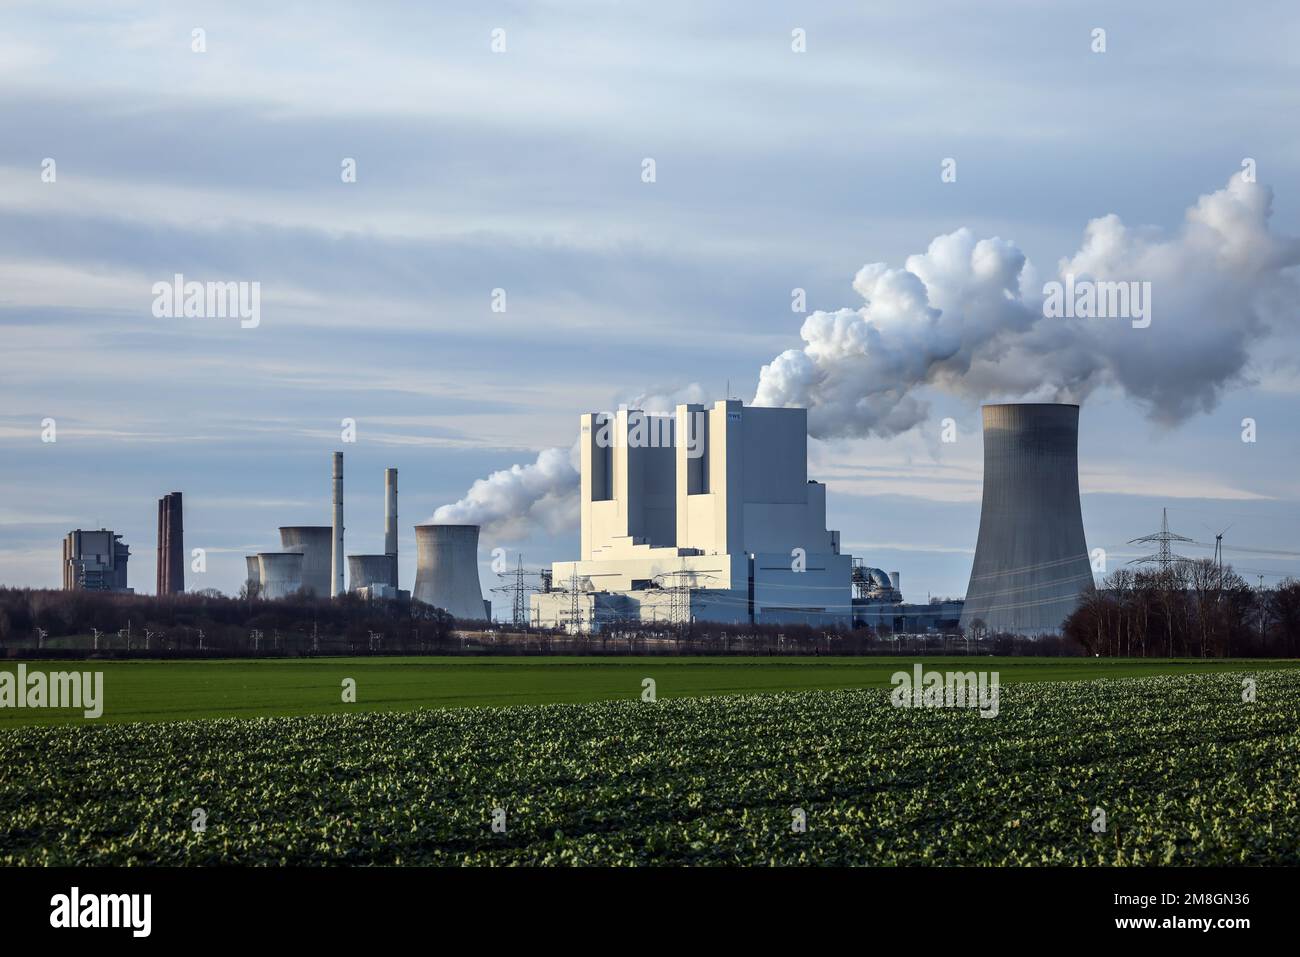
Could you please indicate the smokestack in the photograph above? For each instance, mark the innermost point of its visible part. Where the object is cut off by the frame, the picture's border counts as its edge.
(1031, 560)
(446, 569)
(171, 545)
(894, 579)
(337, 560)
(390, 522)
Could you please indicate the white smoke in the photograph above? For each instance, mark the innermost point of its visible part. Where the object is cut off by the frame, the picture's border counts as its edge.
(513, 503)
(966, 318)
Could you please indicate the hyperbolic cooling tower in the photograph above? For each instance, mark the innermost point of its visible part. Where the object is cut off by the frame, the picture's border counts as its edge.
(253, 570)
(1031, 561)
(446, 569)
(314, 542)
(367, 571)
(281, 573)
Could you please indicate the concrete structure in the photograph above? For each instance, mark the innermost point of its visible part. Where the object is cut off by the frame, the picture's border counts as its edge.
(336, 552)
(315, 543)
(171, 545)
(368, 571)
(94, 561)
(707, 515)
(390, 523)
(1031, 560)
(252, 572)
(280, 573)
(446, 569)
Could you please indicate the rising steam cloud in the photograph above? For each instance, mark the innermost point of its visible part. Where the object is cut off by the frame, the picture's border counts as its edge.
(513, 503)
(966, 318)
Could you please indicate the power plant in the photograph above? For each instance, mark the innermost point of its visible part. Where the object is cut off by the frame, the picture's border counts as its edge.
(171, 545)
(322, 566)
(1031, 560)
(446, 570)
(705, 514)
(94, 561)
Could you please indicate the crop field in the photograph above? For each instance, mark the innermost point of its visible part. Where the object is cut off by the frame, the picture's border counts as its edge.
(1185, 771)
(175, 690)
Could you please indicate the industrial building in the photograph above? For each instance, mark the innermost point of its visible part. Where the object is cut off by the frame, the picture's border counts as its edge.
(171, 545)
(321, 566)
(95, 561)
(1031, 561)
(702, 515)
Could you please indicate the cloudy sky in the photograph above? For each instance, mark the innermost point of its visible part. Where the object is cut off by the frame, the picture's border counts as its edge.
(522, 170)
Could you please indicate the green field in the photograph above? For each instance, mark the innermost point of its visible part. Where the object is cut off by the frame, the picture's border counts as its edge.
(175, 690)
(1184, 770)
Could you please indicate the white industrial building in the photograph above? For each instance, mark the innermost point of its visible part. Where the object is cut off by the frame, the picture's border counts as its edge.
(704, 515)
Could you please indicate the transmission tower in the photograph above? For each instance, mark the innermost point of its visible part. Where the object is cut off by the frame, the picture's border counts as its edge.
(678, 584)
(1163, 555)
(519, 588)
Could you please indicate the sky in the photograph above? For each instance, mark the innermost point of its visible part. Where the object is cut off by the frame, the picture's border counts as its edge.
(521, 170)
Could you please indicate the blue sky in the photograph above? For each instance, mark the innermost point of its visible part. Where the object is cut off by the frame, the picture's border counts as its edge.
(521, 170)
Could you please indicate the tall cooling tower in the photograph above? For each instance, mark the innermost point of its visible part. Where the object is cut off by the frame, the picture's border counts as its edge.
(281, 573)
(446, 569)
(253, 570)
(315, 543)
(1031, 561)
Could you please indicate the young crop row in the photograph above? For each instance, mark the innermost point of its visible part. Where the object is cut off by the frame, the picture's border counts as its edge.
(1182, 770)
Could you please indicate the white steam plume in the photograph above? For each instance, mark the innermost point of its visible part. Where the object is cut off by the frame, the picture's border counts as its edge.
(966, 317)
(512, 503)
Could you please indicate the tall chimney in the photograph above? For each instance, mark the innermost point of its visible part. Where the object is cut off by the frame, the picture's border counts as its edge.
(171, 545)
(337, 561)
(390, 522)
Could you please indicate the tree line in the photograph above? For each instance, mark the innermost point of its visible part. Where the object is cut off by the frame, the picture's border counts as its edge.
(1194, 609)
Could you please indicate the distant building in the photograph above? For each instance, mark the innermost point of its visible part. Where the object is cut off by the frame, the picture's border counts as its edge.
(171, 545)
(94, 561)
(705, 515)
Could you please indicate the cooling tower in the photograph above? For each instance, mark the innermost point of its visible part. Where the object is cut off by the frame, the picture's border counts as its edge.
(253, 571)
(281, 573)
(446, 569)
(315, 543)
(367, 571)
(336, 553)
(390, 523)
(1031, 561)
